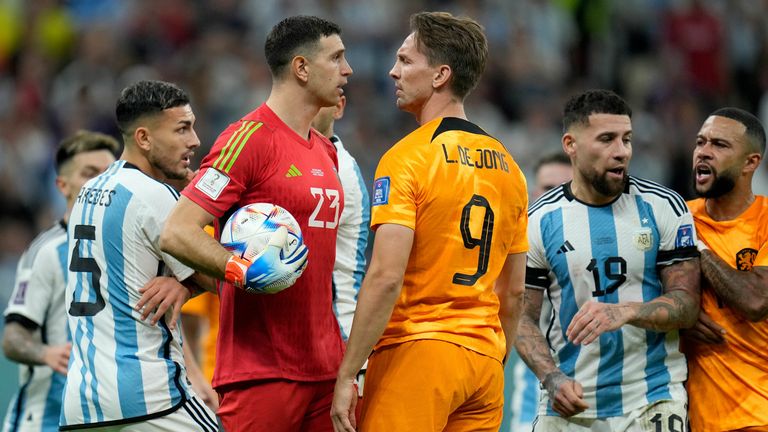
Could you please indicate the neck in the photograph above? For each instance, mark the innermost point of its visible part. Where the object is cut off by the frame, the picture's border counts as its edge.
(732, 204)
(440, 106)
(132, 154)
(585, 193)
(328, 133)
(295, 106)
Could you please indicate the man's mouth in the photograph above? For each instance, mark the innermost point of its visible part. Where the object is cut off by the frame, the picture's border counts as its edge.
(703, 173)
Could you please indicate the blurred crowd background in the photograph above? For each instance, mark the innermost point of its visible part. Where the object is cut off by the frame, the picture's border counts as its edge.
(64, 62)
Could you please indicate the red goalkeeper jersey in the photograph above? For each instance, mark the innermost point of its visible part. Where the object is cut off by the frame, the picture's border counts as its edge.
(293, 334)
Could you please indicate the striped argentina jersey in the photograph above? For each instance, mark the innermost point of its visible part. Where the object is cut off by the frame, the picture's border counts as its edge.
(121, 369)
(37, 301)
(351, 239)
(611, 254)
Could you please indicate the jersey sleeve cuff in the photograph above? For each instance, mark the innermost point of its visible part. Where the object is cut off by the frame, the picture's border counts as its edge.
(536, 278)
(22, 320)
(665, 258)
(405, 223)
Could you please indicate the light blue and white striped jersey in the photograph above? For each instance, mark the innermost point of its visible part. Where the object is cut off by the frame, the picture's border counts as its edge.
(38, 301)
(610, 253)
(351, 239)
(121, 369)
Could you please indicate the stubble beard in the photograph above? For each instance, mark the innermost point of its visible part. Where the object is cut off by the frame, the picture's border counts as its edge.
(609, 188)
(721, 185)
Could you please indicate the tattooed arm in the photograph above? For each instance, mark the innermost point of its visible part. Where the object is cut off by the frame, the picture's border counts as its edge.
(744, 291)
(565, 393)
(24, 345)
(530, 344)
(677, 308)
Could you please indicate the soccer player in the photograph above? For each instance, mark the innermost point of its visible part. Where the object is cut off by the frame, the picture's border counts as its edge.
(352, 236)
(551, 171)
(616, 256)
(442, 296)
(123, 369)
(726, 349)
(36, 334)
(277, 355)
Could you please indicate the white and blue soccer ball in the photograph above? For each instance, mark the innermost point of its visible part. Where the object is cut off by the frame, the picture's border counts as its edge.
(248, 230)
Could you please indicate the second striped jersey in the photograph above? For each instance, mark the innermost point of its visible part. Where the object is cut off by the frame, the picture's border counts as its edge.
(611, 253)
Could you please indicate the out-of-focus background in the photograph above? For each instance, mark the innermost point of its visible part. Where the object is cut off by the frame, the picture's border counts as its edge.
(63, 64)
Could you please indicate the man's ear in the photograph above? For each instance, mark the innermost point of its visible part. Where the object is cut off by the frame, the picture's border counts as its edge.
(339, 113)
(752, 162)
(300, 68)
(141, 138)
(442, 76)
(569, 143)
(62, 186)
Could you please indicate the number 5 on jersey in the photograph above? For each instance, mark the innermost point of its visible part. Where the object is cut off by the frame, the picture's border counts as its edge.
(81, 264)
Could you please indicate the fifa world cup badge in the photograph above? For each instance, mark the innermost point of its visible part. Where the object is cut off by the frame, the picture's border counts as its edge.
(643, 239)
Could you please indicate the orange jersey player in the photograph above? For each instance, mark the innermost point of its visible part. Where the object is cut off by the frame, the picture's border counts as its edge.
(441, 299)
(728, 348)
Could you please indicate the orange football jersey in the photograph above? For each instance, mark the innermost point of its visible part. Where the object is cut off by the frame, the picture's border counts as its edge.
(466, 200)
(728, 383)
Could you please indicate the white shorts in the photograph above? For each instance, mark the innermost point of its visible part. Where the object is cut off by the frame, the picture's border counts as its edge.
(193, 415)
(663, 416)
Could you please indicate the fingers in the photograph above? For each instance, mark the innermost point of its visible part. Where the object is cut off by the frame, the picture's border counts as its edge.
(352, 419)
(343, 407)
(706, 331)
(147, 293)
(711, 325)
(584, 327)
(569, 399)
(592, 320)
(159, 295)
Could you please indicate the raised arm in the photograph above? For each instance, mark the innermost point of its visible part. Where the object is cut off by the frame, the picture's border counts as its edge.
(677, 308)
(744, 291)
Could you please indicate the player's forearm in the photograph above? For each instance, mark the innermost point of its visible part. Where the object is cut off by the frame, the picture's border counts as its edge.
(678, 307)
(23, 346)
(510, 289)
(374, 308)
(192, 246)
(510, 310)
(744, 291)
(199, 283)
(674, 310)
(533, 349)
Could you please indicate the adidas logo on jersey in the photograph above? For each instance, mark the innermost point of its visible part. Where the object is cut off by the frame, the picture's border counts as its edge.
(293, 171)
(566, 247)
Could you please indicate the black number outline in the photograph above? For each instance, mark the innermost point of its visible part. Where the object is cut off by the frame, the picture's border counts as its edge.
(617, 278)
(86, 265)
(484, 242)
